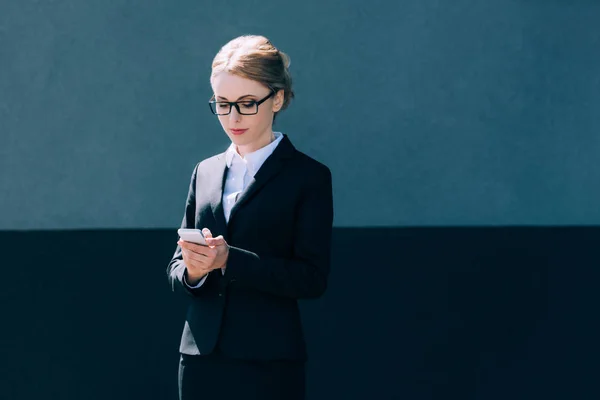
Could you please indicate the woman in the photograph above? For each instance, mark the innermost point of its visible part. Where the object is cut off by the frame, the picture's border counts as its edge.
(266, 210)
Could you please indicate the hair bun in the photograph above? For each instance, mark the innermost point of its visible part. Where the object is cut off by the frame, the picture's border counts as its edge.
(285, 58)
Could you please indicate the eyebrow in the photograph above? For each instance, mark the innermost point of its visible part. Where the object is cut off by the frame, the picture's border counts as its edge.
(246, 95)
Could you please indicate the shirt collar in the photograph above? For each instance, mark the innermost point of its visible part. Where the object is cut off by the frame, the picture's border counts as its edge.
(255, 159)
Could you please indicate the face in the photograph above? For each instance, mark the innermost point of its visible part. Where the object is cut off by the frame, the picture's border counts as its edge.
(248, 132)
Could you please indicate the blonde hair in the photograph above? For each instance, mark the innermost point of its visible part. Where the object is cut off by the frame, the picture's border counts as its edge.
(254, 57)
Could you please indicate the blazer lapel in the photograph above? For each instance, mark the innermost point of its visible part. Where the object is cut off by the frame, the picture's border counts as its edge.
(271, 167)
(215, 188)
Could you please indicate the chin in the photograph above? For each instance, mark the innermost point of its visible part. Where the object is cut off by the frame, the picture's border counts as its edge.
(237, 140)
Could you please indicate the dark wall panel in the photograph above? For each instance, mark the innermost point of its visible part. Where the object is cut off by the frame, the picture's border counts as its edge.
(429, 313)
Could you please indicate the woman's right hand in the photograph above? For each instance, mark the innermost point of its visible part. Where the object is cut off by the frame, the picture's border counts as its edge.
(198, 260)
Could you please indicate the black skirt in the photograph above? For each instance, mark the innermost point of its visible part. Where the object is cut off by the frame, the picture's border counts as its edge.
(216, 376)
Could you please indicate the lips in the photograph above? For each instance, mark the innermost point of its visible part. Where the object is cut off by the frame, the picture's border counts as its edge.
(238, 131)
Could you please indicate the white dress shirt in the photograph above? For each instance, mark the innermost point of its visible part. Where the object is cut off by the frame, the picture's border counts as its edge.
(240, 172)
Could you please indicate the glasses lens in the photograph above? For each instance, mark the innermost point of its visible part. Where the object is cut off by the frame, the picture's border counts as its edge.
(220, 108)
(248, 107)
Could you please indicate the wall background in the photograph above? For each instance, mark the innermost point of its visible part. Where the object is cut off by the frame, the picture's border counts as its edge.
(427, 112)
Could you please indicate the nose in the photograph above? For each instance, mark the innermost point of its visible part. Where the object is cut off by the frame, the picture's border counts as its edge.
(234, 115)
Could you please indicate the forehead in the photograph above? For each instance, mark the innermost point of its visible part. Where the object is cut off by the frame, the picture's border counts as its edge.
(232, 86)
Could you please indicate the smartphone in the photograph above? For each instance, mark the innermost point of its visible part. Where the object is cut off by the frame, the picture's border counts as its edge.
(192, 235)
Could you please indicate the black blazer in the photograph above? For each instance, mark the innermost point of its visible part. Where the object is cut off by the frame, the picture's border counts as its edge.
(279, 233)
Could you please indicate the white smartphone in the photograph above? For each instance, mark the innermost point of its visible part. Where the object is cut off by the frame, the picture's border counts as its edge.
(192, 235)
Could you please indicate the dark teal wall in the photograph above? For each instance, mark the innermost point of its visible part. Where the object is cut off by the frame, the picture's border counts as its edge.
(428, 112)
(433, 314)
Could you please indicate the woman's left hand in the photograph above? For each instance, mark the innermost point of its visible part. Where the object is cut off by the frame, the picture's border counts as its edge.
(220, 245)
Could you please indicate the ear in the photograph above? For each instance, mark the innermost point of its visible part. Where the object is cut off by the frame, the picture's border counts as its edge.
(278, 100)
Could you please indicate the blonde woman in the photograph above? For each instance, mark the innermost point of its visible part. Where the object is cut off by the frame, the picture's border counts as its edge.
(266, 210)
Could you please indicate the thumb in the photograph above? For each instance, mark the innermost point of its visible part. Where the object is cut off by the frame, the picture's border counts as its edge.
(218, 241)
(206, 232)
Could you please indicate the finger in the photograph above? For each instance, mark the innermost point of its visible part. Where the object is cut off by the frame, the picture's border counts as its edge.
(207, 233)
(183, 244)
(197, 266)
(206, 254)
(197, 256)
(218, 241)
(196, 248)
(203, 250)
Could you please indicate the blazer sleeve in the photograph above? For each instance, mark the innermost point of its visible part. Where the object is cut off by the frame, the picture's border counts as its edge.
(305, 274)
(176, 270)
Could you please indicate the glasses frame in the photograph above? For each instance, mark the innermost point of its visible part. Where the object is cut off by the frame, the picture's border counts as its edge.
(236, 104)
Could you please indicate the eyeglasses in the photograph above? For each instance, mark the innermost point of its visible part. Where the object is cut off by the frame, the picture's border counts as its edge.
(244, 107)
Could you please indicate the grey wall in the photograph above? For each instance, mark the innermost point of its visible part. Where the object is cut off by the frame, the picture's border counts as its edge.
(427, 112)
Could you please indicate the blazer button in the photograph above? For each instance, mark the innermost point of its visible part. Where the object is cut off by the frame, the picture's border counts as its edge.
(220, 294)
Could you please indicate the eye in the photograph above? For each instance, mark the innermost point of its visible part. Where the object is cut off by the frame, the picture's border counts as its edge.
(248, 104)
(223, 105)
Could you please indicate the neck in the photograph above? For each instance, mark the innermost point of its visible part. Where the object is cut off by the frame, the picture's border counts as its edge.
(265, 140)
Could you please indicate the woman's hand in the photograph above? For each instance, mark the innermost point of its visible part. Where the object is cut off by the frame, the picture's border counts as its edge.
(200, 260)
